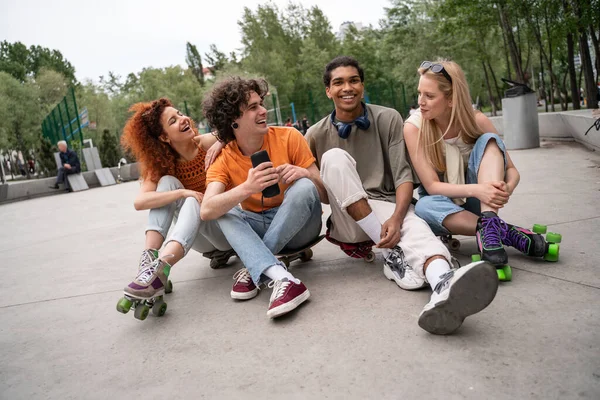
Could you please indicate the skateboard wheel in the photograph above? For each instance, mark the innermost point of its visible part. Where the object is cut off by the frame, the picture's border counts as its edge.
(159, 308)
(285, 261)
(553, 251)
(454, 244)
(538, 228)
(124, 305)
(169, 287)
(306, 255)
(552, 237)
(370, 257)
(476, 257)
(141, 312)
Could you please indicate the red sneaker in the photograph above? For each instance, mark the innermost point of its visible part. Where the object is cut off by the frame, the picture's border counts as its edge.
(286, 296)
(243, 288)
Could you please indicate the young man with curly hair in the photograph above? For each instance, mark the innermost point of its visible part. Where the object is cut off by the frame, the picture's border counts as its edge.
(262, 226)
(365, 167)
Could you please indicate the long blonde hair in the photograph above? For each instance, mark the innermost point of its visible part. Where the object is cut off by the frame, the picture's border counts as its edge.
(462, 114)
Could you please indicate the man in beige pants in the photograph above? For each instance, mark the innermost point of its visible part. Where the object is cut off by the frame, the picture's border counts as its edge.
(361, 153)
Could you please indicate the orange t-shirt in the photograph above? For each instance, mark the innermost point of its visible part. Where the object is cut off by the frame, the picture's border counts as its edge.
(284, 145)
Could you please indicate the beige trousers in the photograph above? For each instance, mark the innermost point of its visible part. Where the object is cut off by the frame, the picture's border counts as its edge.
(344, 187)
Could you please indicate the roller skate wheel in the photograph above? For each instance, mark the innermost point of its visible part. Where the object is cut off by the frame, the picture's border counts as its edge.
(141, 312)
(553, 251)
(169, 287)
(124, 305)
(507, 273)
(501, 275)
(454, 244)
(159, 308)
(306, 255)
(552, 237)
(476, 257)
(538, 228)
(370, 257)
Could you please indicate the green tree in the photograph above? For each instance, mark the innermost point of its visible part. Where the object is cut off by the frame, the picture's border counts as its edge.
(21, 115)
(21, 62)
(109, 149)
(194, 61)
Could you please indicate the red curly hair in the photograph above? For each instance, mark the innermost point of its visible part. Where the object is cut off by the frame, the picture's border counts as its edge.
(141, 137)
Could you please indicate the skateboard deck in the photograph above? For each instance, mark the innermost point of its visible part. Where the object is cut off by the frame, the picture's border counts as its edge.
(303, 254)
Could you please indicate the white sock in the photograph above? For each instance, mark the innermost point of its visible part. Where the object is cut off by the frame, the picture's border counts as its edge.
(372, 227)
(277, 273)
(435, 270)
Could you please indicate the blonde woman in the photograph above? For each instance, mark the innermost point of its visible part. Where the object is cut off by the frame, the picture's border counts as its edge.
(466, 174)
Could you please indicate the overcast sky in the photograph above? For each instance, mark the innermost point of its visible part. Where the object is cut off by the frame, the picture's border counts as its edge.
(124, 36)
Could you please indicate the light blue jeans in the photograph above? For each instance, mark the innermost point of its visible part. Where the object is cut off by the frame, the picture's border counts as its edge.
(256, 237)
(188, 229)
(435, 208)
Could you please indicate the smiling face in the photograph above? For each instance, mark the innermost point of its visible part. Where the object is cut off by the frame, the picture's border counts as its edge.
(432, 101)
(253, 120)
(177, 128)
(346, 90)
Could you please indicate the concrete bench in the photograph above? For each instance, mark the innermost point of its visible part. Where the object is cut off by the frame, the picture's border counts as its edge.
(76, 181)
(93, 163)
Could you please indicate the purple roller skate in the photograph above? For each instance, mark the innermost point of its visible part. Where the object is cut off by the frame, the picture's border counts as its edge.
(490, 230)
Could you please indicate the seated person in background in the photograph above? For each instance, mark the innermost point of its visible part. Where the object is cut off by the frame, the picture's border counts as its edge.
(261, 227)
(70, 165)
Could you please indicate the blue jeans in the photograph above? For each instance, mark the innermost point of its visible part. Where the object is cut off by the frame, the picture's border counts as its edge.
(435, 208)
(256, 237)
(183, 217)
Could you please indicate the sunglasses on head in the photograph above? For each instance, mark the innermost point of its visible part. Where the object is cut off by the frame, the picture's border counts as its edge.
(437, 68)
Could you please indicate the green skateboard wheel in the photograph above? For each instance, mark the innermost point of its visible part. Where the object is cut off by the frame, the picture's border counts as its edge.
(541, 229)
(159, 308)
(553, 251)
(169, 287)
(124, 305)
(552, 237)
(476, 257)
(141, 312)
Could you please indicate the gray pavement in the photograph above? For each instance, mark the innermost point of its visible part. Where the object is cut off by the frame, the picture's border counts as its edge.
(66, 258)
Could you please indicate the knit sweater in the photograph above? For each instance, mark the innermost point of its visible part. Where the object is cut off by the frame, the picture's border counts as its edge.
(192, 173)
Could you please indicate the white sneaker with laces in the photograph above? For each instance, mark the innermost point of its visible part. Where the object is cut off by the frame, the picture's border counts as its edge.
(396, 269)
(460, 293)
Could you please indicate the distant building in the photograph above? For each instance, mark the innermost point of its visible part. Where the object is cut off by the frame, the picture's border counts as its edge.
(208, 75)
(345, 26)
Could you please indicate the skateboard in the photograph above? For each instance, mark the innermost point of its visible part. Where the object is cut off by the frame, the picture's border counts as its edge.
(551, 253)
(303, 254)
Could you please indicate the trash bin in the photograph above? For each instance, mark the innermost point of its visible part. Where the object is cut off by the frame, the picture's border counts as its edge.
(520, 117)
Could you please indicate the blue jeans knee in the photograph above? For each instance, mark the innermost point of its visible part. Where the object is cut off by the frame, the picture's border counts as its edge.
(477, 154)
(433, 209)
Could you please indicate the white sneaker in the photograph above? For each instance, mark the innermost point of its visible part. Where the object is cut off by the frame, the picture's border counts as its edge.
(396, 269)
(460, 293)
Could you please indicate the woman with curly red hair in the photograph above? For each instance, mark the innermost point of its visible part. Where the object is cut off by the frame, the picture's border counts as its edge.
(173, 160)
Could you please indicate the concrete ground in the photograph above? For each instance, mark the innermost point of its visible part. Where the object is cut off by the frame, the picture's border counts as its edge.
(65, 260)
